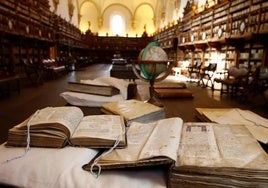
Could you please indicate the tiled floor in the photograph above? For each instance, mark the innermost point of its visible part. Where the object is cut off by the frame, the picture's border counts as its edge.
(18, 107)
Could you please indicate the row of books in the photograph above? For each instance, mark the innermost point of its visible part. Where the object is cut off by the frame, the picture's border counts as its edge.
(198, 154)
(67, 125)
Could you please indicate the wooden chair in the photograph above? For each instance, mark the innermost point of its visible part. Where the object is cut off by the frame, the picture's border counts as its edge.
(258, 85)
(194, 70)
(207, 73)
(235, 78)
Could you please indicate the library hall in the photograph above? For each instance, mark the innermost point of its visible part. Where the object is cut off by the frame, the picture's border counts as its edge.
(144, 93)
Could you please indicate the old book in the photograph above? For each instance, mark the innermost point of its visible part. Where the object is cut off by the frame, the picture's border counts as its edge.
(257, 125)
(149, 144)
(93, 89)
(219, 155)
(172, 90)
(170, 85)
(134, 110)
(172, 93)
(59, 126)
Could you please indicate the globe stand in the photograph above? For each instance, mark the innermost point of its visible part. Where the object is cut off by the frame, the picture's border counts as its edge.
(153, 76)
(152, 98)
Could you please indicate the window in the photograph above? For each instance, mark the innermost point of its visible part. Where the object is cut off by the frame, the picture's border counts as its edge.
(117, 25)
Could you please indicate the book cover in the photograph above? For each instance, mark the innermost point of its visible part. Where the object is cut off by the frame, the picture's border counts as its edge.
(93, 89)
(134, 110)
(172, 93)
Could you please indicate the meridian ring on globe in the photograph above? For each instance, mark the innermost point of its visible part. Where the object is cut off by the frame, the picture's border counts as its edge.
(153, 63)
(137, 66)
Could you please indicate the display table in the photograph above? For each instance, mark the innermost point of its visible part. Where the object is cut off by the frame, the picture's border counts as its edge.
(62, 167)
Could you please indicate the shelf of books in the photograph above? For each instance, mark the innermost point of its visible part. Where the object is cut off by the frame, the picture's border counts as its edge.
(254, 18)
(251, 56)
(264, 17)
(239, 12)
(195, 31)
(198, 55)
(207, 57)
(230, 56)
(237, 28)
(220, 21)
(239, 6)
(186, 24)
(244, 58)
(166, 38)
(256, 53)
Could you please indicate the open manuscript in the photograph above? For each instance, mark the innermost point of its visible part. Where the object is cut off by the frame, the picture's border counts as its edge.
(257, 125)
(218, 155)
(149, 144)
(59, 126)
(199, 154)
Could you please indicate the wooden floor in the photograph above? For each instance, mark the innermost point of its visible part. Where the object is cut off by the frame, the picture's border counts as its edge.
(18, 107)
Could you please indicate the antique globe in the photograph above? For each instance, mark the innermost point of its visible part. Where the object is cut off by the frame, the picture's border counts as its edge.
(152, 66)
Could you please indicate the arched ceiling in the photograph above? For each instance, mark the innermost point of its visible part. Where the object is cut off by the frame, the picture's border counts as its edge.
(139, 15)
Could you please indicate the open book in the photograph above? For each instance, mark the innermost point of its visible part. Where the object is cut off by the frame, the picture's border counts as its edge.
(200, 154)
(134, 110)
(149, 144)
(59, 126)
(257, 125)
(218, 155)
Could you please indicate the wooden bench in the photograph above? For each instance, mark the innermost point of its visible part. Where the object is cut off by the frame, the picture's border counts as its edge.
(232, 80)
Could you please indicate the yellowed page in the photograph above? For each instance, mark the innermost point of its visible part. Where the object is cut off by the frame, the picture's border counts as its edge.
(160, 138)
(198, 145)
(130, 109)
(213, 113)
(66, 115)
(256, 124)
(219, 145)
(100, 126)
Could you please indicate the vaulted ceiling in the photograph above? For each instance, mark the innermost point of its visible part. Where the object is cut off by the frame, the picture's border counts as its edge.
(138, 15)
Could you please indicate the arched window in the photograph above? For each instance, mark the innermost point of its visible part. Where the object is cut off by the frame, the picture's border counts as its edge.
(117, 25)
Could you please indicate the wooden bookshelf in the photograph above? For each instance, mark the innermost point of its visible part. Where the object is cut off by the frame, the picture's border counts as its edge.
(233, 30)
(29, 30)
(103, 48)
